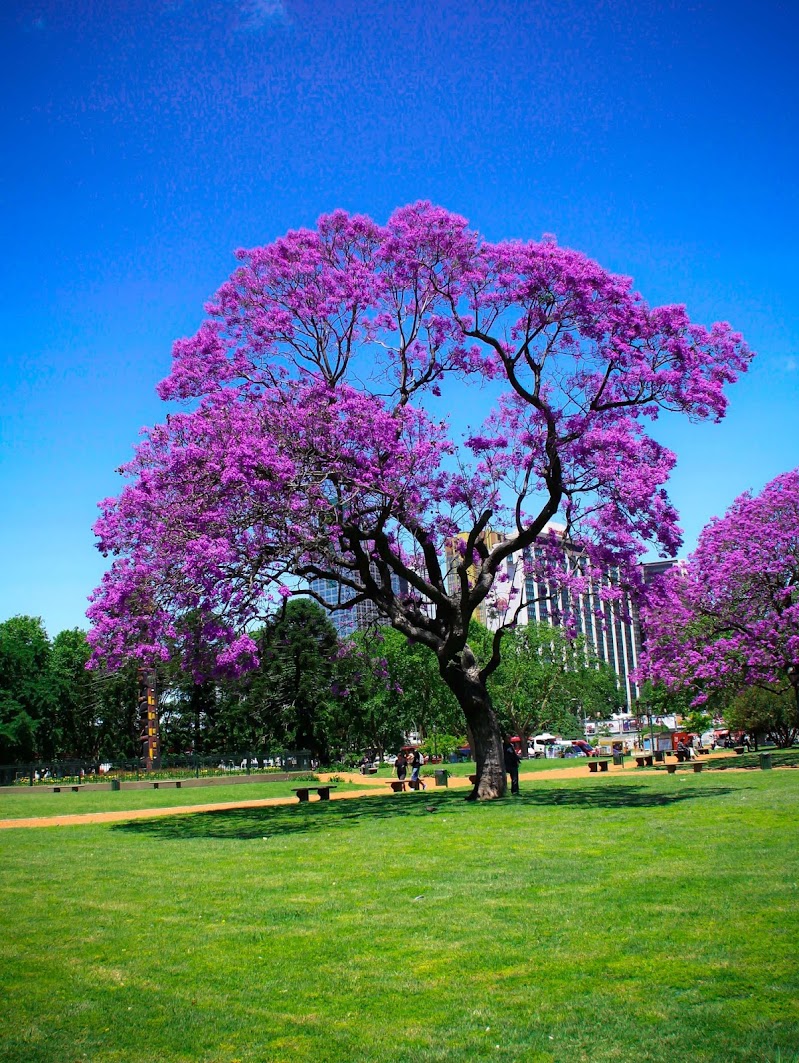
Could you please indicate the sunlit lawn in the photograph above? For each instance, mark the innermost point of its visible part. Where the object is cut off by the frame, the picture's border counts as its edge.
(619, 917)
(20, 803)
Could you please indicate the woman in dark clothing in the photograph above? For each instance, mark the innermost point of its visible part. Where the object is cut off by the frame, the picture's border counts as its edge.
(401, 768)
(416, 767)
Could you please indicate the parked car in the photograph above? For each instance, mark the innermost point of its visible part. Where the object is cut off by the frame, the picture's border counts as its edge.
(585, 748)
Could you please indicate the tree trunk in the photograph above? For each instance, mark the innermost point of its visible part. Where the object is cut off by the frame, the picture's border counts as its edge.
(462, 676)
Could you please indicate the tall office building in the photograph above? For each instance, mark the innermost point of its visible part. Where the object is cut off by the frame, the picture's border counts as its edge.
(452, 556)
(357, 617)
(611, 628)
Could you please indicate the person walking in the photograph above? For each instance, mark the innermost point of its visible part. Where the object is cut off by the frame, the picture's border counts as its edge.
(511, 765)
(416, 767)
(401, 768)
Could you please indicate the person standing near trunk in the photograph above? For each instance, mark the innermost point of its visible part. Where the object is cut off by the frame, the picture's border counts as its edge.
(512, 765)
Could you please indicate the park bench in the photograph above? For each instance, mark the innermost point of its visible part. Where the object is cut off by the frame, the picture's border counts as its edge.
(598, 765)
(167, 782)
(58, 789)
(303, 792)
(398, 785)
(671, 768)
(645, 760)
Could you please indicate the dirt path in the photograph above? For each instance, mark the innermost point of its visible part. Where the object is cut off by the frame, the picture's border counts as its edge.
(372, 787)
(377, 787)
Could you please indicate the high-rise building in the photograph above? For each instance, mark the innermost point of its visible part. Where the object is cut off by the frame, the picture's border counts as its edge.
(611, 628)
(356, 617)
(452, 556)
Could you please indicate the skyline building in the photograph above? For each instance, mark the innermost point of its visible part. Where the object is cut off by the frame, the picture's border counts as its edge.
(358, 617)
(611, 628)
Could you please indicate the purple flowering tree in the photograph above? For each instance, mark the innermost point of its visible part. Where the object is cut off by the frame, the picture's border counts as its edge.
(316, 443)
(729, 618)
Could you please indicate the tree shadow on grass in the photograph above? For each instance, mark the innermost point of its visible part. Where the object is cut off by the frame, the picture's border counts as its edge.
(242, 824)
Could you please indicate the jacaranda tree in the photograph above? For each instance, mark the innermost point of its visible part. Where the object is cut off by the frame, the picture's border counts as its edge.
(729, 619)
(316, 445)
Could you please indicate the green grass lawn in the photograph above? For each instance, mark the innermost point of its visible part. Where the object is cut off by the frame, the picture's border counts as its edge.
(610, 918)
(26, 804)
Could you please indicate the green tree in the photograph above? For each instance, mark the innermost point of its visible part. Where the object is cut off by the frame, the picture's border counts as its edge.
(547, 681)
(367, 709)
(770, 712)
(288, 698)
(27, 697)
(425, 701)
(116, 706)
(76, 721)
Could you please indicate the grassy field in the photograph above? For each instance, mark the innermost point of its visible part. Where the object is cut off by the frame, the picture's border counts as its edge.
(612, 918)
(26, 804)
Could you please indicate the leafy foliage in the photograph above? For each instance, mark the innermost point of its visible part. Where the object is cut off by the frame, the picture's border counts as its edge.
(773, 713)
(548, 682)
(729, 619)
(315, 448)
(27, 695)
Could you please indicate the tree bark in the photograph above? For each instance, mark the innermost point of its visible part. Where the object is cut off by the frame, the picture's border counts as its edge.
(462, 676)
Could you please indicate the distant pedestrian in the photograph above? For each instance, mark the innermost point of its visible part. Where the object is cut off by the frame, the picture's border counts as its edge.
(416, 767)
(401, 768)
(511, 765)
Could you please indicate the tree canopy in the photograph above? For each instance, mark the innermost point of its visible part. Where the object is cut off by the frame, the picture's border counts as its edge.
(729, 618)
(547, 681)
(316, 445)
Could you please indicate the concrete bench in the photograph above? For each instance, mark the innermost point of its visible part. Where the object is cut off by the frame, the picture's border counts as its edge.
(645, 760)
(303, 792)
(399, 785)
(166, 783)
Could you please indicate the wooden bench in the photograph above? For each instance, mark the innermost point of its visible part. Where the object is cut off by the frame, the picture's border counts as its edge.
(645, 760)
(598, 765)
(58, 789)
(167, 782)
(303, 792)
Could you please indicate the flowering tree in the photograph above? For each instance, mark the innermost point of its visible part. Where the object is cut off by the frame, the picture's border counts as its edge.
(315, 445)
(729, 619)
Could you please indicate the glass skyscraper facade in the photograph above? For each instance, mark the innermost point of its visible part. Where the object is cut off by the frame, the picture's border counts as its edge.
(357, 617)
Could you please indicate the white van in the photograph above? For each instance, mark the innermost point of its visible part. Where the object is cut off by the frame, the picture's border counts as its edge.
(541, 743)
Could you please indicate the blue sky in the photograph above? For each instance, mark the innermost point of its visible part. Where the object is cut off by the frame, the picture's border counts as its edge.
(144, 141)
